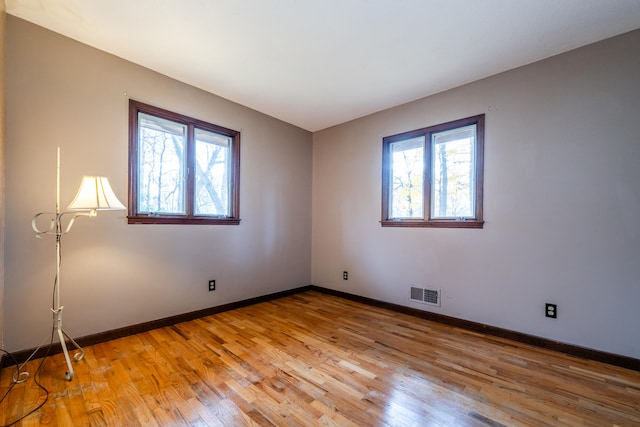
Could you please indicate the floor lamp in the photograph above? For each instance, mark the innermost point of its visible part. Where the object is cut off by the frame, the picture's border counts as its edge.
(95, 194)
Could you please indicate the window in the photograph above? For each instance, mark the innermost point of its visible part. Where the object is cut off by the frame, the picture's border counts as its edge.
(432, 177)
(181, 170)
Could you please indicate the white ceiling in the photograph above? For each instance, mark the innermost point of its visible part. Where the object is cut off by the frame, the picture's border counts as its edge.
(318, 63)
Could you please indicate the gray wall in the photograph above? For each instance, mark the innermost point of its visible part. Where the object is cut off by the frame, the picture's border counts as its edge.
(63, 93)
(562, 196)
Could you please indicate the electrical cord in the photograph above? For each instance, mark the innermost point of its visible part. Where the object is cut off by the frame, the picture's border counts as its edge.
(16, 378)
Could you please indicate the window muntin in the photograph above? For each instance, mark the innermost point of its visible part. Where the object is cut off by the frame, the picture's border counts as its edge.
(181, 170)
(432, 177)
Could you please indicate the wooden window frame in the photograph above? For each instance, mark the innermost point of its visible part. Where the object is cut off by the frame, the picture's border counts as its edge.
(426, 220)
(135, 217)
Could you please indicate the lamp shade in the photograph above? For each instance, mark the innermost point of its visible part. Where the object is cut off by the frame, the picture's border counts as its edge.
(95, 193)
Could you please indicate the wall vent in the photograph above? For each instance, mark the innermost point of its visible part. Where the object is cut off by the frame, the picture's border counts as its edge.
(425, 296)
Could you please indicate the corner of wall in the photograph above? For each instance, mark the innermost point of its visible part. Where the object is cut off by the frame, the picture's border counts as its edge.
(3, 16)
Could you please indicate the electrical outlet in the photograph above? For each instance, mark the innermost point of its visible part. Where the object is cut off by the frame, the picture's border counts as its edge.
(212, 285)
(345, 275)
(551, 310)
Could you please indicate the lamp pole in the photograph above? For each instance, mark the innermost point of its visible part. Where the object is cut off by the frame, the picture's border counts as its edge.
(56, 228)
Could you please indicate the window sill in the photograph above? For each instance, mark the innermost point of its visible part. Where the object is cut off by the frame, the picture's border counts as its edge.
(439, 223)
(180, 220)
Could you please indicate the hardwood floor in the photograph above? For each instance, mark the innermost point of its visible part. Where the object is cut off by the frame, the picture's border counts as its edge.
(315, 359)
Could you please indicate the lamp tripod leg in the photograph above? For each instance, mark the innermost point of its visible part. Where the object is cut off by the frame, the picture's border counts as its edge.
(79, 355)
(63, 342)
(69, 374)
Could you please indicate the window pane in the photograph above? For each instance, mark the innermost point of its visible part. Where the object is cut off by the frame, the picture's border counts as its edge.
(453, 173)
(407, 173)
(213, 173)
(161, 165)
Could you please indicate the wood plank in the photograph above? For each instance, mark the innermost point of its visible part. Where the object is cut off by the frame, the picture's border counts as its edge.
(317, 359)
